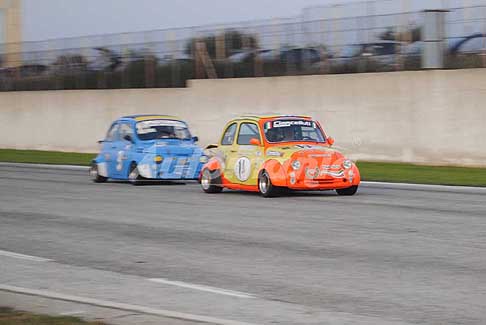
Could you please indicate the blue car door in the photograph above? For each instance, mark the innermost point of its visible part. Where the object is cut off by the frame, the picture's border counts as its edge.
(109, 146)
(114, 149)
(124, 149)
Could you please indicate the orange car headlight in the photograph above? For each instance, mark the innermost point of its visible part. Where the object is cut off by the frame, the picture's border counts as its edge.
(296, 165)
(347, 164)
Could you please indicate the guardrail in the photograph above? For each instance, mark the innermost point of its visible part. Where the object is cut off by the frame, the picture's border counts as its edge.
(318, 42)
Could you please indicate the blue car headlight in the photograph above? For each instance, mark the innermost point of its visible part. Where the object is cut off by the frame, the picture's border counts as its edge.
(203, 159)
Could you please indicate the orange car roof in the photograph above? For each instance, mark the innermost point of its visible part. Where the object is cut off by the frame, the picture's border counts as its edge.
(257, 117)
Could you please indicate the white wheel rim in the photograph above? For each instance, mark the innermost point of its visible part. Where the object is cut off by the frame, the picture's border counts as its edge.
(133, 175)
(94, 172)
(206, 180)
(263, 184)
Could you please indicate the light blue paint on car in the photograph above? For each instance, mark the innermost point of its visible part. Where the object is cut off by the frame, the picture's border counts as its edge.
(148, 147)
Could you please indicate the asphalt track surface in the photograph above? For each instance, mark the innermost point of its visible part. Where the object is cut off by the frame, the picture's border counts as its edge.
(385, 256)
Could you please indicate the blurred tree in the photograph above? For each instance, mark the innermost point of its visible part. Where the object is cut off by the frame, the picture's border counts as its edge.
(70, 63)
(232, 40)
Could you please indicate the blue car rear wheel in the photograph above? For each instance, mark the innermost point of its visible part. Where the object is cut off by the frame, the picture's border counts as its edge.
(134, 175)
(95, 176)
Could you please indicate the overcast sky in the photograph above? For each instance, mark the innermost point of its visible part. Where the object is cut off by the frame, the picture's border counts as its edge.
(46, 19)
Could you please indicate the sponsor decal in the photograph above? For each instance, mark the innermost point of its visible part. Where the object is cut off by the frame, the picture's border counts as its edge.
(243, 169)
(331, 166)
(324, 155)
(273, 153)
(287, 123)
(120, 157)
(308, 146)
(313, 173)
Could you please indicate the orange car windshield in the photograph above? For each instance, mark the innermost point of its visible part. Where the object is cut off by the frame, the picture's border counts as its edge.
(293, 130)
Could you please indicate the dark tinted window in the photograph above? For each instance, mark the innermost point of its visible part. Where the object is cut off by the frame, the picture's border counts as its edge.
(162, 129)
(229, 135)
(125, 129)
(247, 132)
(293, 131)
(112, 134)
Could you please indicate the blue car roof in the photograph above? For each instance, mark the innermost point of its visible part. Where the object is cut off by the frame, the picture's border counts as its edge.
(142, 117)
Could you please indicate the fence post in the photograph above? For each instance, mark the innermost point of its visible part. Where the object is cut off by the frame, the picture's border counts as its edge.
(483, 51)
(434, 35)
(324, 48)
(150, 61)
(174, 65)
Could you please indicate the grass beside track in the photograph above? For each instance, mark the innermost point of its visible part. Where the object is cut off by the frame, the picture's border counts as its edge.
(419, 174)
(46, 157)
(370, 171)
(9, 316)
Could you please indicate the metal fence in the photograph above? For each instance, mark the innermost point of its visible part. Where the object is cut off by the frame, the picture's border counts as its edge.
(381, 35)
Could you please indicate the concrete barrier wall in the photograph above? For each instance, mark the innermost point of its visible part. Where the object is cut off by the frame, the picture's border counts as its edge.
(433, 117)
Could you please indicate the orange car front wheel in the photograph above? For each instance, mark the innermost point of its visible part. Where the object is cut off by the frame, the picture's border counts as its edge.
(350, 191)
(265, 186)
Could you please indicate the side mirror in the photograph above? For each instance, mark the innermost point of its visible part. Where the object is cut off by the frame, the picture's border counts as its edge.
(195, 139)
(212, 146)
(255, 142)
(330, 141)
(128, 138)
(101, 141)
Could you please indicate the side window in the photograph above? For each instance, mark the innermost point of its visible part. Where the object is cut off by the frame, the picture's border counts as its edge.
(125, 129)
(473, 45)
(229, 135)
(247, 132)
(112, 134)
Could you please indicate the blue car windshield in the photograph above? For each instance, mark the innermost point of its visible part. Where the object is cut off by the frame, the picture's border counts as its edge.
(162, 129)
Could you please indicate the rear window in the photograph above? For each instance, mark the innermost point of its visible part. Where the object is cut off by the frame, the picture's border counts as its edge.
(162, 129)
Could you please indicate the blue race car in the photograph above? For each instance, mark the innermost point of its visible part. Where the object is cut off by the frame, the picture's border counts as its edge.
(148, 147)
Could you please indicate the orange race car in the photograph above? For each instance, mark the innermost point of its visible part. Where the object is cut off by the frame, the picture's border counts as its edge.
(271, 154)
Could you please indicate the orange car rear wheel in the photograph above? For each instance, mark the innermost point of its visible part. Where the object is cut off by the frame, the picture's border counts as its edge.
(211, 181)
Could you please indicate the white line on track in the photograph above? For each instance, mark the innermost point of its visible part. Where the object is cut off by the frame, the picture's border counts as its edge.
(44, 166)
(24, 257)
(442, 188)
(445, 188)
(120, 306)
(204, 288)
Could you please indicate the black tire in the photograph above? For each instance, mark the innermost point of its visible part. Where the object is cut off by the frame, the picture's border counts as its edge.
(211, 182)
(134, 176)
(350, 191)
(265, 186)
(95, 176)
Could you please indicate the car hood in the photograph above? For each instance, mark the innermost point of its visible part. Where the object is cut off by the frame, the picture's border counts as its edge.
(305, 151)
(171, 148)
